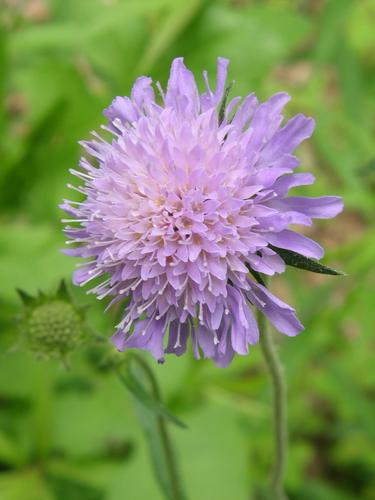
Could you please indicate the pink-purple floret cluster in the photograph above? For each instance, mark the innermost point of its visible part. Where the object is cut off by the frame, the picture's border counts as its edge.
(181, 204)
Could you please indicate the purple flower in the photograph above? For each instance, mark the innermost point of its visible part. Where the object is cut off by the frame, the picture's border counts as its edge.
(188, 196)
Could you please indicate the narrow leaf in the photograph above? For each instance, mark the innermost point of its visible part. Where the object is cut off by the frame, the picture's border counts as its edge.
(224, 103)
(171, 28)
(25, 297)
(295, 259)
(62, 291)
(64, 488)
(10, 453)
(138, 391)
(256, 275)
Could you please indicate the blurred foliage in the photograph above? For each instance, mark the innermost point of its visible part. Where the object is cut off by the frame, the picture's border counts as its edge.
(73, 434)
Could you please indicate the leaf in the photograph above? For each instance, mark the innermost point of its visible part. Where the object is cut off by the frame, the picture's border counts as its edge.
(234, 32)
(25, 297)
(360, 28)
(294, 259)
(330, 29)
(146, 399)
(368, 169)
(39, 136)
(167, 33)
(3, 76)
(25, 485)
(62, 291)
(224, 103)
(10, 453)
(257, 276)
(65, 488)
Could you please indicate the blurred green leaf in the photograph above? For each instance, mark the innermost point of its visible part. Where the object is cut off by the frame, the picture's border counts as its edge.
(3, 75)
(172, 26)
(38, 136)
(330, 28)
(25, 486)
(360, 29)
(64, 488)
(10, 454)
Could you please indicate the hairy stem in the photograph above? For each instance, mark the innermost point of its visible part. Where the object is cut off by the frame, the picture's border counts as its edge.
(164, 436)
(279, 408)
(173, 490)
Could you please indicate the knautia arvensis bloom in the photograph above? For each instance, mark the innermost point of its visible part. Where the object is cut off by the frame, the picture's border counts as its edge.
(189, 195)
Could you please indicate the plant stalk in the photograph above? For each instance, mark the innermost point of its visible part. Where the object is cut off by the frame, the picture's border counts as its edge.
(164, 436)
(174, 489)
(279, 408)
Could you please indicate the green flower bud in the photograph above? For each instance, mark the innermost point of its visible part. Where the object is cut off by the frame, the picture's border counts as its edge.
(54, 328)
(51, 326)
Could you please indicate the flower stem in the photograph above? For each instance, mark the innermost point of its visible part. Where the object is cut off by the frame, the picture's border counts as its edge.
(164, 437)
(161, 449)
(279, 408)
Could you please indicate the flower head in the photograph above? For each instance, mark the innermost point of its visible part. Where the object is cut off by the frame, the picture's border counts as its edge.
(191, 195)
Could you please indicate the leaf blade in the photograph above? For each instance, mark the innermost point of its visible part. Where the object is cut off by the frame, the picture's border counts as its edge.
(295, 259)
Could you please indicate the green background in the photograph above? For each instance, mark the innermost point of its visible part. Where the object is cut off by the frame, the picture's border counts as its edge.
(72, 434)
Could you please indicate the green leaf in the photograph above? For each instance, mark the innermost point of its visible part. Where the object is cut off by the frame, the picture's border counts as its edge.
(40, 134)
(168, 32)
(65, 488)
(62, 291)
(257, 276)
(224, 103)
(3, 77)
(25, 297)
(294, 259)
(10, 453)
(25, 485)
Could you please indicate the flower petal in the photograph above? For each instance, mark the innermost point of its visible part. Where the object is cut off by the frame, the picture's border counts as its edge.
(290, 240)
(321, 207)
(280, 314)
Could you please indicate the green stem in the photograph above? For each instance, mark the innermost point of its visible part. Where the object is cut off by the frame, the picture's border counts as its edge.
(175, 488)
(279, 408)
(164, 436)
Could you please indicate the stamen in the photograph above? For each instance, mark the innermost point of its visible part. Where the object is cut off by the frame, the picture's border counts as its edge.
(150, 302)
(94, 274)
(200, 313)
(178, 341)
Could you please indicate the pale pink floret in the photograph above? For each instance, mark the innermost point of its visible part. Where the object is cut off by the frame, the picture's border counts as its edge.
(179, 206)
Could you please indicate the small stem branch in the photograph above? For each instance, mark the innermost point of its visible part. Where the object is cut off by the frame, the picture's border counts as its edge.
(175, 491)
(279, 407)
(164, 436)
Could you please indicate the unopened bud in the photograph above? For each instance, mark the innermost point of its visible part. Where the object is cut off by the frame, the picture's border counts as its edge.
(52, 327)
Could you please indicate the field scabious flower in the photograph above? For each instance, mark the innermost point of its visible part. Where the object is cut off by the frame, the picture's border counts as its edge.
(191, 195)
